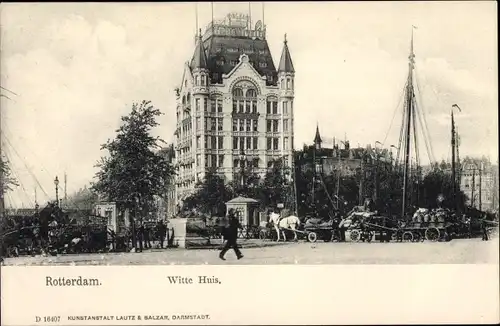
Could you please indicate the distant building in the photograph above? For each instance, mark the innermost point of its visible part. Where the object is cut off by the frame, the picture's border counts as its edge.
(347, 160)
(167, 205)
(234, 107)
(479, 182)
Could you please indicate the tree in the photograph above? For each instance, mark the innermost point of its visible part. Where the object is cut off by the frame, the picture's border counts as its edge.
(84, 199)
(134, 172)
(211, 195)
(8, 182)
(277, 186)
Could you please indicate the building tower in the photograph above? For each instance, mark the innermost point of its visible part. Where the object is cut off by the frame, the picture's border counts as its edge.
(233, 113)
(286, 74)
(317, 139)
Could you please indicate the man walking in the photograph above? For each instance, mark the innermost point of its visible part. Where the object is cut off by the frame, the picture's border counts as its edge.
(231, 236)
(484, 231)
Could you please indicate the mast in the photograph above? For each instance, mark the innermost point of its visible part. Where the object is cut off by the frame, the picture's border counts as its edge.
(453, 152)
(453, 176)
(408, 115)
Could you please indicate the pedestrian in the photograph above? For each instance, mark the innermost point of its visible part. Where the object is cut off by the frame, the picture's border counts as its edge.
(231, 236)
(140, 235)
(147, 236)
(484, 231)
(161, 229)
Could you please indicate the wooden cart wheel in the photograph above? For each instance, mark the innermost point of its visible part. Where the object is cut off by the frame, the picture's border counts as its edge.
(312, 237)
(407, 236)
(262, 234)
(432, 234)
(395, 236)
(355, 235)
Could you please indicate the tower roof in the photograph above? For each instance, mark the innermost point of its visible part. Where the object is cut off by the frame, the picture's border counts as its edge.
(286, 64)
(317, 138)
(199, 60)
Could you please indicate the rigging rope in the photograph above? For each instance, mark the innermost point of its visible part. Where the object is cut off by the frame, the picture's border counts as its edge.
(426, 125)
(27, 168)
(415, 134)
(394, 115)
(18, 180)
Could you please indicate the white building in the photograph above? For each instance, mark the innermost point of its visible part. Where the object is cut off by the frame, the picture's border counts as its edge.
(234, 107)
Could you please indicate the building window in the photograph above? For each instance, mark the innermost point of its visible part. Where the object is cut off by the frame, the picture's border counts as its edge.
(235, 142)
(249, 143)
(256, 163)
(207, 141)
(255, 125)
(285, 107)
(270, 164)
(242, 125)
(197, 81)
(198, 123)
(220, 144)
(235, 124)
(206, 161)
(269, 125)
(219, 105)
(212, 105)
(237, 92)
(242, 142)
(197, 105)
(269, 143)
(272, 106)
(285, 125)
(288, 83)
(198, 141)
(205, 105)
(285, 143)
(233, 62)
(214, 143)
(275, 125)
(255, 142)
(221, 160)
(262, 64)
(220, 124)
(214, 161)
(198, 159)
(236, 163)
(275, 144)
(251, 93)
(248, 123)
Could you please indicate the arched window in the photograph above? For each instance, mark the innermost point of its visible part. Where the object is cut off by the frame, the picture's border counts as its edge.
(245, 98)
(288, 83)
(238, 92)
(251, 93)
(197, 81)
(184, 99)
(188, 99)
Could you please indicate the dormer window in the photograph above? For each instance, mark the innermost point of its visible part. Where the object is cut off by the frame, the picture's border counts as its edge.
(262, 64)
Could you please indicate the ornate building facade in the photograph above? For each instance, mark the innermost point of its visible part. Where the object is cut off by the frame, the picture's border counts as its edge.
(479, 182)
(234, 107)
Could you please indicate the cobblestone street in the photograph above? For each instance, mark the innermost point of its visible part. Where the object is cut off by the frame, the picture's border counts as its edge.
(464, 251)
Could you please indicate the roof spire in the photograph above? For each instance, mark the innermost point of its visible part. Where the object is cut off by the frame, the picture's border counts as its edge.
(317, 137)
(286, 64)
(199, 60)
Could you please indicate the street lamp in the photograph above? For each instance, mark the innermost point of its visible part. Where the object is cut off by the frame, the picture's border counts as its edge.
(56, 183)
(242, 166)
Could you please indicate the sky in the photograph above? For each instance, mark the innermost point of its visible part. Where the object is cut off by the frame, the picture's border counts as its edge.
(77, 68)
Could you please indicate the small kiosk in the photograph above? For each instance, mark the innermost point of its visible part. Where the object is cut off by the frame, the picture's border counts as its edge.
(246, 210)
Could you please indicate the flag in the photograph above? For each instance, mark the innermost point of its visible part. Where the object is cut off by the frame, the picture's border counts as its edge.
(456, 106)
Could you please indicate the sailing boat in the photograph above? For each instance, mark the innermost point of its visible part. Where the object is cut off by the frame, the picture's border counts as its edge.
(408, 139)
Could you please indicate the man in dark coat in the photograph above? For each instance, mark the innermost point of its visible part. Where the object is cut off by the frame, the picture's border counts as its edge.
(140, 235)
(231, 236)
(484, 231)
(161, 229)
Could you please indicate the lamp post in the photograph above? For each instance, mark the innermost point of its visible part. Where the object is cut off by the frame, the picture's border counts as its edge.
(56, 183)
(242, 168)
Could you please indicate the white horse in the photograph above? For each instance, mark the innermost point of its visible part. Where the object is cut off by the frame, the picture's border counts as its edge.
(291, 222)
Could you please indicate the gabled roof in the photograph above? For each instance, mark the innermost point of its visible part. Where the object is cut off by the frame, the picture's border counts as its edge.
(286, 64)
(199, 60)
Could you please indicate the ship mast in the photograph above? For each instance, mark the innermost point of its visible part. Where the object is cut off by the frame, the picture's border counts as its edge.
(408, 113)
